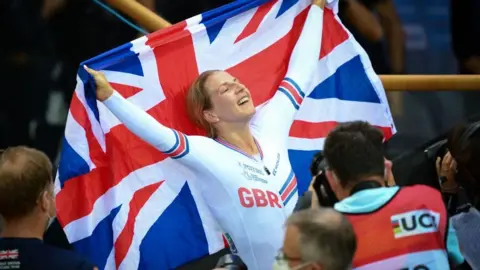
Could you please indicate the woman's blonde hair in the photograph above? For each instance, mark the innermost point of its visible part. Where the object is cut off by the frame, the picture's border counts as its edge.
(198, 100)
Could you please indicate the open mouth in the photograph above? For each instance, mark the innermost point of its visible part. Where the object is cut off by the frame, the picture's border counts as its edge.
(243, 100)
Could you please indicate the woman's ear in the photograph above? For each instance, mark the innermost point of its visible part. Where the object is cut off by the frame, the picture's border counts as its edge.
(210, 116)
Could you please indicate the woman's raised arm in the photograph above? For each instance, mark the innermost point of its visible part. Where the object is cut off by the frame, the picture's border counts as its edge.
(278, 114)
(167, 140)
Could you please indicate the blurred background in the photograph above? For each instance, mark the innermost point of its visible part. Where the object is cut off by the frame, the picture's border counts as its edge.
(44, 42)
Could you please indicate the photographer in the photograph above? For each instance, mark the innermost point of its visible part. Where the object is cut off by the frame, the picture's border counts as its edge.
(459, 175)
(396, 227)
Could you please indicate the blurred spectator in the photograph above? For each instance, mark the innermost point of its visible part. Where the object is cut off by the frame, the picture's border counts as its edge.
(80, 22)
(356, 19)
(317, 239)
(363, 21)
(374, 35)
(410, 230)
(47, 40)
(27, 205)
(25, 64)
(464, 146)
(465, 29)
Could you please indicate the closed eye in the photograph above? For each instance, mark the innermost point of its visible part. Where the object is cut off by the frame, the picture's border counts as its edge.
(225, 86)
(224, 90)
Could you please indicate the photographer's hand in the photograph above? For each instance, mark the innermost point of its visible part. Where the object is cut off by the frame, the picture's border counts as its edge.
(446, 170)
(315, 203)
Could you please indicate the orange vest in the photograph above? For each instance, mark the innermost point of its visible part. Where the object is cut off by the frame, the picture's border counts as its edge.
(408, 232)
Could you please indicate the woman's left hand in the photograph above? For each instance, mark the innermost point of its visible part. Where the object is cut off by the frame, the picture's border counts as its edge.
(319, 3)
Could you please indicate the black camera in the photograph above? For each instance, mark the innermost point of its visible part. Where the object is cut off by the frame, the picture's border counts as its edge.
(325, 194)
(231, 262)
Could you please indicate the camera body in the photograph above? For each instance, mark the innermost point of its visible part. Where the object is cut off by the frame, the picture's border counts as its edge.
(323, 190)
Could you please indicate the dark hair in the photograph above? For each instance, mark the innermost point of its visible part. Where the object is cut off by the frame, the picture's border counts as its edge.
(466, 152)
(25, 173)
(354, 150)
(326, 237)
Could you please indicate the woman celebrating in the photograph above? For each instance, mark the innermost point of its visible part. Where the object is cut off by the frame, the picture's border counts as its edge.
(249, 184)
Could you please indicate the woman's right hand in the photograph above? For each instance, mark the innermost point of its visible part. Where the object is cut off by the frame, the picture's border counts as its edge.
(319, 3)
(104, 89)
(315, 204)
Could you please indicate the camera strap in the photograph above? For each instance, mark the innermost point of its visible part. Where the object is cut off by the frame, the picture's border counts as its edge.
(363, 185)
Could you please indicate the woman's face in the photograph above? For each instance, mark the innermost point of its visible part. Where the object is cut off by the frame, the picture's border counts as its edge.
(231, 100)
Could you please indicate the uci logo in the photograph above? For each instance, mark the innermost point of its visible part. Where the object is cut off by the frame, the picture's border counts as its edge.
(415, 222)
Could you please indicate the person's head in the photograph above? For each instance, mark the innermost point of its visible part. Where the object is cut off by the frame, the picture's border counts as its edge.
(318, 239)
(216, 99)
(464, 145)
(354, 153)
(26, 186)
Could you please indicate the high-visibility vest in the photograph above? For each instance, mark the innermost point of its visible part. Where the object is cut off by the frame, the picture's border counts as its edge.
(408, 232)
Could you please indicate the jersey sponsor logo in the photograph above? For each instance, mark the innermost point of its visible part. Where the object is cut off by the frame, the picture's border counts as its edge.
(258, 198)
(231, 244)
(252, 173)
(415, 222)
(253, 177)
(276, 165)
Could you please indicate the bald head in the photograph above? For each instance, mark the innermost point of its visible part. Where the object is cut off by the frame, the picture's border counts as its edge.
(25, 174)
(322, 236)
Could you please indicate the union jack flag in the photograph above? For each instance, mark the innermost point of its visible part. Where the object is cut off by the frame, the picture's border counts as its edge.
(9, 254)
(124, 204)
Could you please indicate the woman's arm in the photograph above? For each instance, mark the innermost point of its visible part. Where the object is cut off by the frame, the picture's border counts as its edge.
(278, 114)
(169, 141)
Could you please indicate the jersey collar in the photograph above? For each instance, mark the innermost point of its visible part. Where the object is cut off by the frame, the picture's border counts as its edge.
(236, 149)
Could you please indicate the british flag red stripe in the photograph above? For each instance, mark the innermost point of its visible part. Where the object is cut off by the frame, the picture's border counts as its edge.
(257, 18)
(125, 238)
(320, 130)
